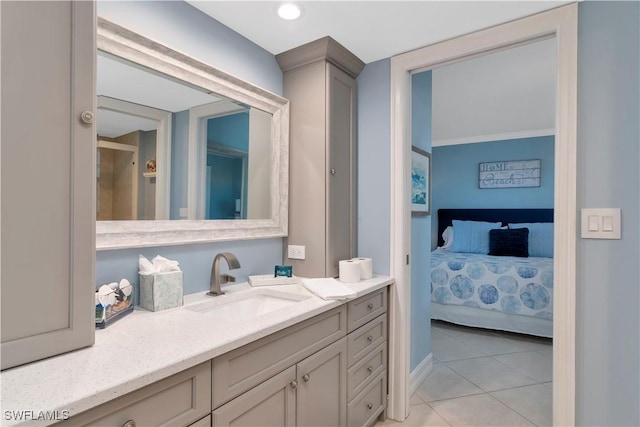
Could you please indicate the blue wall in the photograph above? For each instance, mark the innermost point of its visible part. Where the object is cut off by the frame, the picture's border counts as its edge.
(226, 174)
(225, 186)
(455, 176)
(186, 29)
(608, 299)
(608, 294)
(374, 169)
(179, 162)
(231, 130)
(420, 228)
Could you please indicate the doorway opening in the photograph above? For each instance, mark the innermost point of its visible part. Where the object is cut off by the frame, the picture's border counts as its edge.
(561, 26)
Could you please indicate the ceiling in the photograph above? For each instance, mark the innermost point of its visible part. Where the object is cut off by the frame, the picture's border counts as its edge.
(372, 30)
(504, 95)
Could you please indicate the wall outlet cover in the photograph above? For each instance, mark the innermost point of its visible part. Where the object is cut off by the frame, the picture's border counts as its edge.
(295, 252)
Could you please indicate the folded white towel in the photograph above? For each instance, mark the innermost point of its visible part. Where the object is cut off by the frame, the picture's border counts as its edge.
(328, 289)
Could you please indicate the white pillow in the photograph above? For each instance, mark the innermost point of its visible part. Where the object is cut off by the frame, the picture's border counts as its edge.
(447, 236)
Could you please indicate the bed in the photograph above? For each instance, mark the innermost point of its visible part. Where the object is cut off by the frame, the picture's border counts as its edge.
(509, 293)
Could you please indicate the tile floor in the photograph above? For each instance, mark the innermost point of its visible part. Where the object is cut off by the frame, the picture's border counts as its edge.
(483, 378)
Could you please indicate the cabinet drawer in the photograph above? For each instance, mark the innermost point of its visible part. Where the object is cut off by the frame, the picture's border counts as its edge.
(363, 410)
(241, 369)
(175, 401)
(362, 341)
(365, 370)
(366, 308)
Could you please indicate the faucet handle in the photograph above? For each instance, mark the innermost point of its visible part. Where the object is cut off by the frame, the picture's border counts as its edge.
(227, 278)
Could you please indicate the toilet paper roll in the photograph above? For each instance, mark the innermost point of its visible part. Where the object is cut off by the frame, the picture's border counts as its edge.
(349, 271)
(366, 267)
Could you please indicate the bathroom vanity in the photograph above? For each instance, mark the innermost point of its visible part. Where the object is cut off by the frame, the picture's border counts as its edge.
(314, 362)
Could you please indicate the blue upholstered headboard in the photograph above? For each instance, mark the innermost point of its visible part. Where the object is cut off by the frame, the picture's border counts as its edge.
(445, 216)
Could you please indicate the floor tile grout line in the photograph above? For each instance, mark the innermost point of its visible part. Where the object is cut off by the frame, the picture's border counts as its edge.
(514, 409)
(460, 338)
(440, 415)
(491, 391)
(476, 394)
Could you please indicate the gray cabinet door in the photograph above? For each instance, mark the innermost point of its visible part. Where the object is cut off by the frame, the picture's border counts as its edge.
(322, 387)
(47, 179)
(341, 173)
(271, 404)
(319, 81)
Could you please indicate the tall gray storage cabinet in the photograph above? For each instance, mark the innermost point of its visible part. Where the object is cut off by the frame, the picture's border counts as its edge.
(47, 178)
(319, 81)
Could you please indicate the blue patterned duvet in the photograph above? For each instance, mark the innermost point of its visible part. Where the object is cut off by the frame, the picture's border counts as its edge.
(508, 284)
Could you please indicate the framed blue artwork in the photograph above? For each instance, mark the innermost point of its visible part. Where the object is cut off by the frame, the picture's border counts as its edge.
(420, 182)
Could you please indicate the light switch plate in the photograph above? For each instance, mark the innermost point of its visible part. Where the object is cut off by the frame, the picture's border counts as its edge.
(608, 223)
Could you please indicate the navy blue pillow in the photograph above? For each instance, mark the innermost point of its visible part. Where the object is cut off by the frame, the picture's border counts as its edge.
(510, 242)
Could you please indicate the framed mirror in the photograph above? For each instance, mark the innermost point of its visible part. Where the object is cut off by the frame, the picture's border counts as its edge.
(186, 152)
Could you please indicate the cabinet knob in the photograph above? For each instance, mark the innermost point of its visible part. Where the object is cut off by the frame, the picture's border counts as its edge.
(129, 423)
(370, 338)
(305, 377)
(333, 171)
(87, 117)
(370, 369)
(294, 384)
(369, 406)
(370, 306)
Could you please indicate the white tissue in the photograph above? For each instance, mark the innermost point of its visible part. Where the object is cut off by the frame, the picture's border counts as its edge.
(159, 264)
(349, 271)
(145, 266)
(366, 267)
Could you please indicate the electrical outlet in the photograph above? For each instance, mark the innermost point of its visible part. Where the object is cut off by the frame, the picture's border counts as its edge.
(295, 252)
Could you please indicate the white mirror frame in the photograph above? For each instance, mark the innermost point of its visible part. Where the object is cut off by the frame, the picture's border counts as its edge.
(123, 43)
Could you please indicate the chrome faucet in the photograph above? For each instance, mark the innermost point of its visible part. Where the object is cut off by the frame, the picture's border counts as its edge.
(216, 278)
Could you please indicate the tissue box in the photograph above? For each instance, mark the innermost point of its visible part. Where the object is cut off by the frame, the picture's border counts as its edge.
(160, 291)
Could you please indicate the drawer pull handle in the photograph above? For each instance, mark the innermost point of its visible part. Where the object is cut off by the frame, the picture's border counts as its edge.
(370, 338)
(129, 423)
(305, 377)
(294, 384)
(369, 406)
(370, 369)
(370, 306)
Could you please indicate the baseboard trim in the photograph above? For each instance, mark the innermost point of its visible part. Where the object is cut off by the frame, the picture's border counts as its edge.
(420, 373)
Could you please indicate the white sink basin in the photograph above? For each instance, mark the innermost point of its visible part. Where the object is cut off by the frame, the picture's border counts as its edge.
(247, 304)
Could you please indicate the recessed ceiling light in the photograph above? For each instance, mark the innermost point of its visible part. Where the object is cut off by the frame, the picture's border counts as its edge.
(289, 11)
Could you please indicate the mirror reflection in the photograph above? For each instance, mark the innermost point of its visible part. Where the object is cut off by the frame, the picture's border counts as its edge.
(168, 150)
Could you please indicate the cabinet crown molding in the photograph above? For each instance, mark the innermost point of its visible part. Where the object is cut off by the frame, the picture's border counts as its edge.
(324, 49)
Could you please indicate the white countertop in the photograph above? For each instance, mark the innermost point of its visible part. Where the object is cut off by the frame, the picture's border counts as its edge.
(145, 347)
